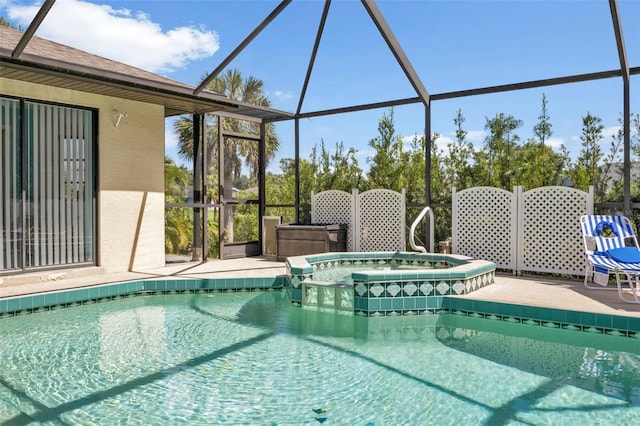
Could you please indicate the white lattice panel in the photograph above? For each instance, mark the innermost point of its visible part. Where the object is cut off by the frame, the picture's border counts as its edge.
(332, 206)
(484, 225)
(549, 228)
(381, 221)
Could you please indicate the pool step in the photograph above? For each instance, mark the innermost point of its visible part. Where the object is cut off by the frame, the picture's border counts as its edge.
(327, 295)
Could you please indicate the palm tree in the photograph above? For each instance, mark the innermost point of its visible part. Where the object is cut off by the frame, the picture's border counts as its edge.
(236, 151)
(178, 229)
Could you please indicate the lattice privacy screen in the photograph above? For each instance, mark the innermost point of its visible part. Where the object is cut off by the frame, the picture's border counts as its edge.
(537, 230)
(334, 206)
(550, 239)
(484, 225)
(381, 221)
(376, 218)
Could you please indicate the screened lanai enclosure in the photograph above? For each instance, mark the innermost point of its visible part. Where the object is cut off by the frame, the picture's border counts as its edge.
(246, 209)
(244, 165)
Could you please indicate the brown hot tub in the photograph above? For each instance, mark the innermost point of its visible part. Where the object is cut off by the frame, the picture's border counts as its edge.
(295, 239)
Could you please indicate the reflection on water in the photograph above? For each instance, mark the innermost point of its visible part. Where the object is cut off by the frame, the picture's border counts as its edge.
(613, 370)
(252, 358)
(145, 331)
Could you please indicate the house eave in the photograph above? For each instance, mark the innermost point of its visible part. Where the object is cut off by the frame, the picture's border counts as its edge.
(176, 98)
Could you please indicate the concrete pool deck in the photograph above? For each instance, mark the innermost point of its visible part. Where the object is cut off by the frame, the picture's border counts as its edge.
(538, 291)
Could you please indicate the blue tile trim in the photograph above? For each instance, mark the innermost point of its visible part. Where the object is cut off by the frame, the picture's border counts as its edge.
(397, 302)
(366, 306)
(546, 317)
(64, 298)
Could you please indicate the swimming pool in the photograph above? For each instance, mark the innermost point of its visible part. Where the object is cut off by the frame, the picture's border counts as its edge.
(252, 358)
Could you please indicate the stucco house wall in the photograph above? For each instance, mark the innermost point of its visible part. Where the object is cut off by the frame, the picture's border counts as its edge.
(130, 190)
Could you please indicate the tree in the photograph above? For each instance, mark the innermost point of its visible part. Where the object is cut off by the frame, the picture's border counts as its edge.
(386, 169)
(440, 188)
(610, 164)
(542, 129)
(176, 180)
(339, 170)
(635, 136)
(500, 147)
(5, 23)
(586, 170)
(236, 150)
(178, 225)
(281, 188)
(457, 163)
(413, 169)
(537, 164)
(441, 192)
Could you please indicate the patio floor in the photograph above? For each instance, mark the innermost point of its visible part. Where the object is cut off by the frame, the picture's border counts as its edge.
(537, 291)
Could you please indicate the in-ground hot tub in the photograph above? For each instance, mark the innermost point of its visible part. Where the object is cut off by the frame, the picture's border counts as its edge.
(384, 283)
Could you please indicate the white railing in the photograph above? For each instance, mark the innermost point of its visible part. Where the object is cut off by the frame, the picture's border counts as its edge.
(412, 231)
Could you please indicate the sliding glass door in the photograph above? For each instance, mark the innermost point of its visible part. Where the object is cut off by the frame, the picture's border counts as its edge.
(10, 186)
(47, 185)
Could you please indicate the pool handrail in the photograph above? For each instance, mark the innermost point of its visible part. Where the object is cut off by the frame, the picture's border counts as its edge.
(412, 231)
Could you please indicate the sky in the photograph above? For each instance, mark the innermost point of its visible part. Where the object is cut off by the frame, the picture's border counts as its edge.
(452, 45)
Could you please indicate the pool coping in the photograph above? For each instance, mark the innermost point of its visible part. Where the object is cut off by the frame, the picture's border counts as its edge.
(600, 323)
(462, 266)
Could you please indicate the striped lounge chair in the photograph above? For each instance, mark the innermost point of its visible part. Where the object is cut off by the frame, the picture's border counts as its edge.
(611, 248)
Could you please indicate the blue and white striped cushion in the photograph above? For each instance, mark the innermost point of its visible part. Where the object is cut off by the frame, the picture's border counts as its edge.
(622, 227)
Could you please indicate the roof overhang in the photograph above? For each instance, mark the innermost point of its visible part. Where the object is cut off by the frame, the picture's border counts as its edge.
(177, 99)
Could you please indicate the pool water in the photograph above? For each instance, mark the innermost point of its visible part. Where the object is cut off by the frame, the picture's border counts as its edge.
(342, 273)
(252, 358)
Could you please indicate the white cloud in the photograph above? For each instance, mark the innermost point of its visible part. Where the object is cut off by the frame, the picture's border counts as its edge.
(119, 34)
(610, 131)
(476, 136)
(554, 143)
(607, 134)
(407, 141)
(285, 96)
(442, 143)
(443, 140)
(363, 156)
